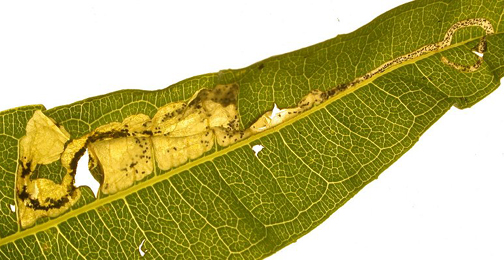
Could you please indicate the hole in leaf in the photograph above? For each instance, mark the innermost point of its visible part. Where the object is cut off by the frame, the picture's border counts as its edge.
(83, 177)
(275, 111)
(142, 253)
(257, 148)
(12, 208)
(478, 53)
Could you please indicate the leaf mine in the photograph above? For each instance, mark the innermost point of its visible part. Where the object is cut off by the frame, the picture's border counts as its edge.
(43, 144)
(122, 153)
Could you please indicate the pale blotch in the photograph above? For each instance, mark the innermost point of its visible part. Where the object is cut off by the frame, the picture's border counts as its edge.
(125, 152)
(175, 151)
(122, 161)
(43, 144)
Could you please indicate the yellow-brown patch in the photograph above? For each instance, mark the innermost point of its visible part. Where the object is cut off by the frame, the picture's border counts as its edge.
(43, 144)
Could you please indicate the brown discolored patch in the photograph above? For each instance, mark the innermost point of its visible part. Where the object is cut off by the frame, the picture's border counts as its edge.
(46, 246)
(104, 208)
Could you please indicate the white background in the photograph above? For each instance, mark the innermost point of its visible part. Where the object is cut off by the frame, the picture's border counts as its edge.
(442, 200)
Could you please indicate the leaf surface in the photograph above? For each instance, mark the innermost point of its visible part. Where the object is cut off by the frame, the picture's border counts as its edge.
(311, 164)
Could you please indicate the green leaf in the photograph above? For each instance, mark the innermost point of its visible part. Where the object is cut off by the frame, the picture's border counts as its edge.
(241, 199)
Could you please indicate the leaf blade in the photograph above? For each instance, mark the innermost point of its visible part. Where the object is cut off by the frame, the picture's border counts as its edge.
(142, 110)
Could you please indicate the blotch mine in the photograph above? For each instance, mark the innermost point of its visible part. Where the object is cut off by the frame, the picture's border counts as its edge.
(43, 144)
(125, 152)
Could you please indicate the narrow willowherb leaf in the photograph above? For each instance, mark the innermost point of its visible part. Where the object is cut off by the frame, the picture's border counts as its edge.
(179, 168)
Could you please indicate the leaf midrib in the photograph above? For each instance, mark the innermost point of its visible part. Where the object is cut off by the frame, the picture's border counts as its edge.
(122, 194)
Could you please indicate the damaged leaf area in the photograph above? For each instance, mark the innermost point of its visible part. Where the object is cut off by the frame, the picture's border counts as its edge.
(241, 163)
(126, 152)
(43, 144)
